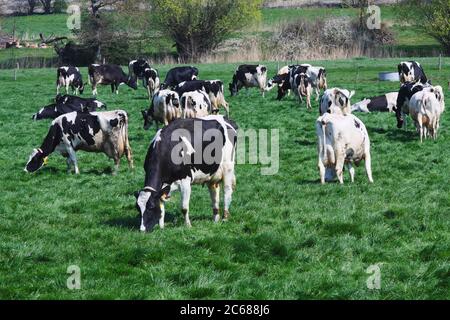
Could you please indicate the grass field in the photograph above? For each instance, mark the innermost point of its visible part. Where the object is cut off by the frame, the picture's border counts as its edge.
(289, 237)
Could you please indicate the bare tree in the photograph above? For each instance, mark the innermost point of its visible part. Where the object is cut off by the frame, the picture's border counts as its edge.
(31, 6)
(47, 5)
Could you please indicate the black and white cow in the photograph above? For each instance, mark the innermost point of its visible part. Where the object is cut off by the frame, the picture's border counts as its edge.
(336, 100)
(69, 77)
(186, 152)
(249, 76)
(109, 74)
(92, 132)
(164, 109)
(179, 74)
(66, 104)
(136, 70)
(214, 88)
(383, 103)
(195, 104)
(302, 87)
(411, 71)
(152, 81)
(407, 90)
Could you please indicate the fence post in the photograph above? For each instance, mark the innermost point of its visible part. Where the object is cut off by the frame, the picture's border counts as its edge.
(15, 71)
(440, 62)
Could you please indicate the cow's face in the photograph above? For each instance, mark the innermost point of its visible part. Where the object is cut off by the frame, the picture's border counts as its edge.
(132, 83)
(233, 89)
(36, 161)
(148, 119)
(148, 204)
(81, 88)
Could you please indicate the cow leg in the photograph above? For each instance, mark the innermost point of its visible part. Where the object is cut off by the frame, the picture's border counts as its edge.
(351, 170)
(116, 165)
(163, 214)
(73, 159)
(317, 93)
(67, 87)
(57, 88)
(214, 192)
(185, 187)
(113, 88)
(340, 160)
(420, 128)
(322, 171)
(94, 89)
(69, 164)
(229, 181)
(308, 101)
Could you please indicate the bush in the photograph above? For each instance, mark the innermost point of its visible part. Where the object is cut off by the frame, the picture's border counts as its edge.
(60, 6)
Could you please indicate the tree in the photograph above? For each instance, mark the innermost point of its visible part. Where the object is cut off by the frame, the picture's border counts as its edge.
(47, 5)
(431, 15)
(199, 26)
(31, 6)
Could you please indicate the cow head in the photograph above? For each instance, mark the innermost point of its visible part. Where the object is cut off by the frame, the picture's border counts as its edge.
(148, 203)
(36, 161)
(439, 93)
(405, 72)
(148, 118)
(302, 84)
(233, 86)
(341, 99)
(132, 83)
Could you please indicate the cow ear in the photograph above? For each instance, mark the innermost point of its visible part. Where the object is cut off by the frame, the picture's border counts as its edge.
(352, 93)
(136, 194)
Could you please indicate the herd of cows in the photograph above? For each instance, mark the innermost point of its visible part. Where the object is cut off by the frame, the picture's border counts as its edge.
(182, 103)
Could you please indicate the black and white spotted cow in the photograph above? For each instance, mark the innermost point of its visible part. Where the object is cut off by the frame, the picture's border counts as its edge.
(136, 70)
(109, 74)
(92, 132)
(195, 104)
(186, 152)
(336, 100)
(383, 103)
(66, 104)
(179, 74)
(249, 76)
(152, 81)
(164, 109)
(411, 71)
(407, 90)
(69, 77)
(302, 87)
(214, 89)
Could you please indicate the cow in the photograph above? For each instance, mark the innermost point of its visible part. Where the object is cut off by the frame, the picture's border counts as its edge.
(407, 90)
(342, 140)
(66, 104)
(68, 76)
(383, 103)
(152, 81)
(317, 76)
(336, 100)
(281, 79)
(179, 74)
(249, 76)
(301, 86)
(411, 71)
(165, 108)
(195, 104)
(136, 70)
(109, 74)
(214, 88)
(92, 132)
(205, 154)
(425, 109)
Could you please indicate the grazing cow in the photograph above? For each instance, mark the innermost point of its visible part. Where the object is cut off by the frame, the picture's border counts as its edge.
(136, 70)
(179, 74)
(69, 77)
(411, 71)
(151, 79)
(164, 109)
(204, 152)
(336, 100)
(282, 81)
(109, 74)
(342, 140)
(67, 104)
(301, 85)
(249, 76)
(195, 104)
(214, 88)
(383, 103)
(407, 90)
(92, 132)
(425, 109)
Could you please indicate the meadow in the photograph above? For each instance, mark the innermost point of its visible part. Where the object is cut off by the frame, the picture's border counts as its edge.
(288, 238)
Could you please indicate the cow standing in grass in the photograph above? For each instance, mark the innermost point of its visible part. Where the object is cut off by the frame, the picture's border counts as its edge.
(179, 74)
(411, 71)
(342, 140)
(164, 109)
(195, 104)
(109, 74)
(184, 153)
(249, 76)
(66, 104)
(105, 132)
(336, 100)
(69, 77)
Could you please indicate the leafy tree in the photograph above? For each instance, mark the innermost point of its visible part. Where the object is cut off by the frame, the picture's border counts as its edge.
(47, 5)
(199, 26)
(431, 15)
(31, 6)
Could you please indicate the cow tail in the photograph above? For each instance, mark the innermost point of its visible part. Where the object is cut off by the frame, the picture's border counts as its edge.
(124, 132)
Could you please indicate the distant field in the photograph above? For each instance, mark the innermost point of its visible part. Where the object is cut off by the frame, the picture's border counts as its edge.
(289, 237)
(409, 39)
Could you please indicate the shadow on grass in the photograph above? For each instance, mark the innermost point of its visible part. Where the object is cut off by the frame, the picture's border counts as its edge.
(304, 142)
(401, 135)
(133, 223)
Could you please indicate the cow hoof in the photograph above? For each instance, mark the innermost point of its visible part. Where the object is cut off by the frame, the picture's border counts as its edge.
(216, 218)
